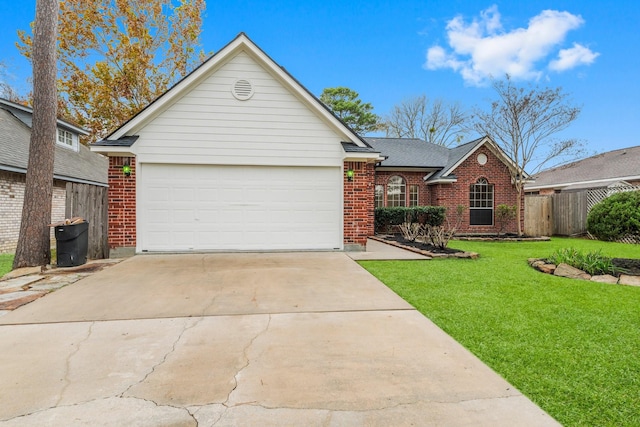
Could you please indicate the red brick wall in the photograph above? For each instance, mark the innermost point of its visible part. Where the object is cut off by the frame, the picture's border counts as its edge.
(452, 195)
(358, 203)
(410, 178)
(122, 203)
(468, 173)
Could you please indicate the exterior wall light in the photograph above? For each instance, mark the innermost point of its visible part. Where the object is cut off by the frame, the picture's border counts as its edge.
(126, 168)
(350, 175)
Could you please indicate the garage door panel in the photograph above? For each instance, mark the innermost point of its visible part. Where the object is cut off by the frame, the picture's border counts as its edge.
(196, 207)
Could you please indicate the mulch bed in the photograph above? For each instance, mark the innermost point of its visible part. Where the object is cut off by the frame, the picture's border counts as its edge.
(630, 266)
(423, 248)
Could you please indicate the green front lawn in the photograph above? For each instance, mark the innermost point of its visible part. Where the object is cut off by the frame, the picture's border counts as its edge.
(571, 346)
(6, 260)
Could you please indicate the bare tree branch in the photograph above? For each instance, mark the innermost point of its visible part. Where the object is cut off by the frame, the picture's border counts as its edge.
(522, 122)
(437, 122)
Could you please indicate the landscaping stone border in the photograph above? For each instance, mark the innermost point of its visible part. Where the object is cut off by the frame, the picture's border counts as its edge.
(471, 255)
(565, 270)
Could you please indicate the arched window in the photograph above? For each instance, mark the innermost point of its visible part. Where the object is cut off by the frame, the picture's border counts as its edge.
(481, 203)
(396, 192)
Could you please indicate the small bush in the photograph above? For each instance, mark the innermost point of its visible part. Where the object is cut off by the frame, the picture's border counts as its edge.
(504, 215)
(615, 217)
(591, 262)
(385, 218)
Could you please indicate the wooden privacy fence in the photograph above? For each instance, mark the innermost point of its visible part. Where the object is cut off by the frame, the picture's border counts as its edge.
(538, 215)
(564, 214)
(90, 202)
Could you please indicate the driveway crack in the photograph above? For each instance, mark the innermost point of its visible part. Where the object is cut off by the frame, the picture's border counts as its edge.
(66, 380)
(247, 361)
(164, 358)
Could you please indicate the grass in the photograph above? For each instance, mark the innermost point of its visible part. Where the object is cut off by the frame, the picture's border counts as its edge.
(6, 260)
(571, 346)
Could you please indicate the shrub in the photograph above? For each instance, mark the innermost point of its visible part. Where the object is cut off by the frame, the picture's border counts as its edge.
(504, 215)
(615, 217)
(591, 262)
(385, 218)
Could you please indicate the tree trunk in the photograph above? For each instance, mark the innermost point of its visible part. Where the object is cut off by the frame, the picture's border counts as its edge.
(34, 242)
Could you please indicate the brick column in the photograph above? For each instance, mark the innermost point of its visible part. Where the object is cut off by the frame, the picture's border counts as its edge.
(122, 207)
(358, 205)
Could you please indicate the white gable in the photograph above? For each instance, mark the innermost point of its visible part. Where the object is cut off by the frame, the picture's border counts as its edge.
(209, 125)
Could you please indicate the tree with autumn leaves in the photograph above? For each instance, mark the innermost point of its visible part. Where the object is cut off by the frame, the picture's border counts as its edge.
(116, 56)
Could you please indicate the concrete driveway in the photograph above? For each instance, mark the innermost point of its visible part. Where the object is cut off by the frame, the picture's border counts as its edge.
(287, 339)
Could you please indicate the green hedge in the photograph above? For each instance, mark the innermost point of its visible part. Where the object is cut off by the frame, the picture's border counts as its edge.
(427, 215)
(615, 217)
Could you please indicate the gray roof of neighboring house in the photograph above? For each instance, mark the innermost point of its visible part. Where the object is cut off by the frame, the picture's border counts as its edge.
(82, 166)
(606, 167)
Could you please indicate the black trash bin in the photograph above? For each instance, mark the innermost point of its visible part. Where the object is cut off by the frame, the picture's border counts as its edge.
(72, 243)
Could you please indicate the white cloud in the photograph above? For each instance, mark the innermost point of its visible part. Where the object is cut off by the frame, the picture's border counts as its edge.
(570, 58)
(483, 48)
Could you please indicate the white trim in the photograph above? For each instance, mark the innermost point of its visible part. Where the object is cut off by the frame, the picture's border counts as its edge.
(595, 181)
(441, 181)
(112, 150)
(358, 157)
(240, 43)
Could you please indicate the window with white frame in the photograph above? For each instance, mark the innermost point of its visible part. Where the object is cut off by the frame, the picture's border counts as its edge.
(379, 196)
(413, 195)
(65, 139)
(481, 203)
(396, 192)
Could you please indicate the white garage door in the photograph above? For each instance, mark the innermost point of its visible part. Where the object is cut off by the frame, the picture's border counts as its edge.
(201, 207)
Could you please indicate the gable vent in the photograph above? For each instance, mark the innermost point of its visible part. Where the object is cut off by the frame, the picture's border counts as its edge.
(242, 89)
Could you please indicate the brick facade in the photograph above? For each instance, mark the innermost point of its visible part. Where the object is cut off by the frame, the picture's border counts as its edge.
(122, 203)
(454, 194)
(358, 204)
(12, 186)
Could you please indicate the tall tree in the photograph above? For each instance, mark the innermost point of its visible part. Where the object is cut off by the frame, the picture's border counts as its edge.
(347, 105)
(116, 56)
(523, 122)
(34, 241)
(437, 122)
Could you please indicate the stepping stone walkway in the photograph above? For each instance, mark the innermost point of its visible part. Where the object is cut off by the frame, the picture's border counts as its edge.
(22, 286)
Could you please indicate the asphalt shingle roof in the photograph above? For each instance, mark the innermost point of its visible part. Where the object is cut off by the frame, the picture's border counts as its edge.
(69, 165)
(612, 165)
(412, 152)
(407, 152)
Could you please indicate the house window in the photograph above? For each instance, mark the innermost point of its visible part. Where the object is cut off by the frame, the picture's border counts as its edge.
(65, 139)
(379, 196)
(481, 203)
(396, 192)
(413, 195)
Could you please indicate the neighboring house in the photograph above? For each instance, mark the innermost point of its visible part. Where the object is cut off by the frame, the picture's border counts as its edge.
(474, 175)
(73, 163)
(611, 169)
(238, 155)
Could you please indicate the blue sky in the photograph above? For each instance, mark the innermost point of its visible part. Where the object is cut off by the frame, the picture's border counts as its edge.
(390, 51)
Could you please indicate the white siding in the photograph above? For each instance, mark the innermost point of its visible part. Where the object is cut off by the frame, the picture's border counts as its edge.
(208, 125)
